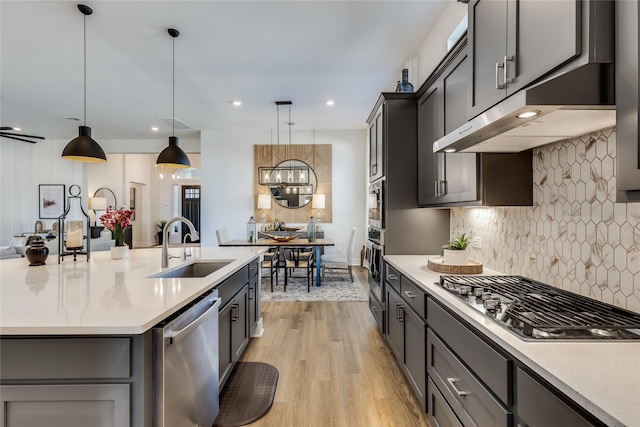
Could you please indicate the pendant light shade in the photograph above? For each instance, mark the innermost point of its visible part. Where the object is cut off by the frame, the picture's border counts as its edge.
(84, 148)
(173, 157)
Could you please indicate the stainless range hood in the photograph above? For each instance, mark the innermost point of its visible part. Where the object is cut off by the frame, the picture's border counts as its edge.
(571, 104)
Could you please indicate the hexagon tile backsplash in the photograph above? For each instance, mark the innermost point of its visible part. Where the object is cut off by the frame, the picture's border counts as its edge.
(575, 236)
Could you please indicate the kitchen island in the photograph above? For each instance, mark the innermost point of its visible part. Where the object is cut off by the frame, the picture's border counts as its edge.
(601, 377)
(77, 336)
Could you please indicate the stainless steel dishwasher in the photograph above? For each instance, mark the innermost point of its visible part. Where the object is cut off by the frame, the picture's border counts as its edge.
(185, 367)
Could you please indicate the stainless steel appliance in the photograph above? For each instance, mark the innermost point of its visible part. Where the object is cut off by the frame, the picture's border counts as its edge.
(536, 311)
(185, 366)
(375, 202)
(374, 266)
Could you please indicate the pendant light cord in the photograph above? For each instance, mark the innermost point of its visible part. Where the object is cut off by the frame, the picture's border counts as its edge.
(173, 88)
(85, 68)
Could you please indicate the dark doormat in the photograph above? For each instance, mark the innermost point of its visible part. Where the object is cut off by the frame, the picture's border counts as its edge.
(248, 394)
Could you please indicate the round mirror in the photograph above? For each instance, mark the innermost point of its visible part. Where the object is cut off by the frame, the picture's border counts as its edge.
(107, 194)
(293, 183)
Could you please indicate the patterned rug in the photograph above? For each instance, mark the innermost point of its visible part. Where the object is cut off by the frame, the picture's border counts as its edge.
(335, 287)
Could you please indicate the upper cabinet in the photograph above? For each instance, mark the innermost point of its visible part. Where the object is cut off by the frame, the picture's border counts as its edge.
(463, 179)
(628, 141)
(376, 165)
(514, 42)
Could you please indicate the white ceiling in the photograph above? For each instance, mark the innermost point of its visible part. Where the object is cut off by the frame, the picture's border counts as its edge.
(256, 51)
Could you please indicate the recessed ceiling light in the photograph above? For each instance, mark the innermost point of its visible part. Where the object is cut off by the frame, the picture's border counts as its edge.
(154, 128)
(237, 103)
(15, 128)
(330, 103)
(528, 114)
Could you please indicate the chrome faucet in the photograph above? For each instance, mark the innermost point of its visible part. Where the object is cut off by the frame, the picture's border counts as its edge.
(184, 246)
(165, 237)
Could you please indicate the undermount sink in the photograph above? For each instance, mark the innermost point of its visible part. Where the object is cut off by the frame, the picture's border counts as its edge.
(196, 269)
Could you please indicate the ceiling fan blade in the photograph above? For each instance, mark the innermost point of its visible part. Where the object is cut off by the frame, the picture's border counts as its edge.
(22, 135)
(2, 134)
(6, 128)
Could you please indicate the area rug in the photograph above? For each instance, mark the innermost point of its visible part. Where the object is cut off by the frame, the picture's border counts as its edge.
(248, 394)
(335, 287)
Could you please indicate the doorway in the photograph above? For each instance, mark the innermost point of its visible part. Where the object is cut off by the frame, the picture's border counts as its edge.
(191, 208)
(135, 203)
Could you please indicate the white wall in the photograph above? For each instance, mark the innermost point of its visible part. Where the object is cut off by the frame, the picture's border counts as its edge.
(23, 166)
(435, 46)
(228, 173)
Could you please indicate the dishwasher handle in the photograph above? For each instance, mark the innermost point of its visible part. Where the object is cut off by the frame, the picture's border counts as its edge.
(174, 337)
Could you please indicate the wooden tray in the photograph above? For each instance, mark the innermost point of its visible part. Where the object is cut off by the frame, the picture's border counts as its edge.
(437, 264)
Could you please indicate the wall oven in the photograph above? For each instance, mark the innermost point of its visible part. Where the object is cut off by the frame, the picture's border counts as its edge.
(375, 202)
(374, 265)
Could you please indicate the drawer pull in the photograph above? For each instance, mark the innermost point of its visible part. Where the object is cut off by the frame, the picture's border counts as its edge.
(459, 392)
(400, 312)
(393, 276)
(409, 294)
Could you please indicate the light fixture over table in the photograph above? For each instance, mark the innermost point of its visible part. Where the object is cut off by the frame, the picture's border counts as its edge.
(173, 157)
(84, 148)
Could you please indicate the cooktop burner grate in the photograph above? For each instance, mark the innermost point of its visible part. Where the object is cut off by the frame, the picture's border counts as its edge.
(540, 310)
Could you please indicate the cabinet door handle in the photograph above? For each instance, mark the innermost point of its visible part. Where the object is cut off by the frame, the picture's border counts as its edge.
(498, 66)
(409, 294)
(399, 312)
(507, 58)
(235, 312)
(437, 188)
(444, 190)
(459, 392)
(251, 293)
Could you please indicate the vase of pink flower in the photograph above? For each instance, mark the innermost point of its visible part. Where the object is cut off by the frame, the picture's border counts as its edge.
(117, 220)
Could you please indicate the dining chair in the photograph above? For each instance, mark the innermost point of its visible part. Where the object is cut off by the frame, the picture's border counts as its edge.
(223, 235)
(299, 258)
(270, 261)
(341, 261)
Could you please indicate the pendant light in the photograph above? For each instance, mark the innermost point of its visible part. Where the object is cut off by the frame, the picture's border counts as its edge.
(84, 148)
(173, 157)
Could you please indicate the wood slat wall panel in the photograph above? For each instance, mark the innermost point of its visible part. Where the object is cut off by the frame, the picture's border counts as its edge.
(317, 156)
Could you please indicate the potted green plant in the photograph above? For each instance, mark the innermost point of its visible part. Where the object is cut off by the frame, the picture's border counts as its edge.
(455, 251)
(160, 224)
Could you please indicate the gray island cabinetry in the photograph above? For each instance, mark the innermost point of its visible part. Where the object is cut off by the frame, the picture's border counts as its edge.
(99, 370)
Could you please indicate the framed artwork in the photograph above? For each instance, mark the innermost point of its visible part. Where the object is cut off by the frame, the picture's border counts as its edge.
(51, 200)
(132, 202)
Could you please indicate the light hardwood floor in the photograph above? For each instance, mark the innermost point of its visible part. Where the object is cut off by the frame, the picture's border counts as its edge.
(335, 367)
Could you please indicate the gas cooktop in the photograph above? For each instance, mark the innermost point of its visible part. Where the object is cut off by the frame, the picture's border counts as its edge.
(537, 311)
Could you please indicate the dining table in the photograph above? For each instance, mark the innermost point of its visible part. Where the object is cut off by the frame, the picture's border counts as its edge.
(318, 244)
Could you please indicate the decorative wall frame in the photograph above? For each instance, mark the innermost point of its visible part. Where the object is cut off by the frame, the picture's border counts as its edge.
(51, 200)
(317, 156)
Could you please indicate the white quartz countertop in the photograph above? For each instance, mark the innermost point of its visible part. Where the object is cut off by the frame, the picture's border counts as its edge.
(601, 376)
(104, 296)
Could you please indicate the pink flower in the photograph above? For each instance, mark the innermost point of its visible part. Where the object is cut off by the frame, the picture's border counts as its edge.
(117, 220)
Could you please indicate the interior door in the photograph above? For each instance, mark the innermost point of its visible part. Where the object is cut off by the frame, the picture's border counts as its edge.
(191, 208)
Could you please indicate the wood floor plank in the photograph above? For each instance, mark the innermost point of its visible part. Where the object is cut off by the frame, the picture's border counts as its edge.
(335, 367)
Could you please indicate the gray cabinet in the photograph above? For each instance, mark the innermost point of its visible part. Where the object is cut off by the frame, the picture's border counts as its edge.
(445, 177)
(463, 179)
(539, 407)
(627, 102)
(376, 147)
(70, 382)
(394, 117)
(254, 310)
(406, 332)
(515, 42)
(233, 335)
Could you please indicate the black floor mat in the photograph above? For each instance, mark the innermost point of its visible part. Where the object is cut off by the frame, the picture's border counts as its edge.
(248, 394)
